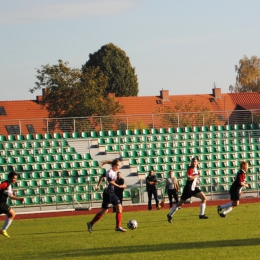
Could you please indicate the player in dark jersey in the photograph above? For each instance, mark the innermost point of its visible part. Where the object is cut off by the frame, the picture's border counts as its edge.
(190, 190)
(109, 197)
(6, 190)
(235, 190)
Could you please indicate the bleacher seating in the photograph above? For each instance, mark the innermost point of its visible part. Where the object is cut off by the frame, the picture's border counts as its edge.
(48, 165)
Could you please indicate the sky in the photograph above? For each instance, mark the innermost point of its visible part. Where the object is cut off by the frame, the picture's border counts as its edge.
(184, 46)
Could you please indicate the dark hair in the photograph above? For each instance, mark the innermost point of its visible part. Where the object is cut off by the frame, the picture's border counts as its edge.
(12, 174)
(113, 163)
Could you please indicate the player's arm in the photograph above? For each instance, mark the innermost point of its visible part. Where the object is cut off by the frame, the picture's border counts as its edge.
(13, 197)
(101, 178)
(116, 185)
(242, 178)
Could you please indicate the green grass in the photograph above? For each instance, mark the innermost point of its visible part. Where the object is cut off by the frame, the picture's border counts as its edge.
(235, 237)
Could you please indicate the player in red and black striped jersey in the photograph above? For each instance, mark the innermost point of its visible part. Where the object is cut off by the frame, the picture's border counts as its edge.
(6, 190)
(190, 190)
(235, 190)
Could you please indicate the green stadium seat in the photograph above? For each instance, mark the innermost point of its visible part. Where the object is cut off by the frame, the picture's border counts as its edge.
(25, 175)
(128, 132)
(44, 182)
(48, 136)
(29, 137)
(83, 172)
(120, 132)
(3, 138)
(145, 131)
(94, 134)
(46, 175)
(76, 135)
(32, 192)
(36, 175)
(57, 136)
(66, 135)
(87, 156)
(79, 197)
(85, 134)
(11, 138)
(48, 199)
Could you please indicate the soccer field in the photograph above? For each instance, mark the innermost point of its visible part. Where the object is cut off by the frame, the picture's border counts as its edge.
(235, 237)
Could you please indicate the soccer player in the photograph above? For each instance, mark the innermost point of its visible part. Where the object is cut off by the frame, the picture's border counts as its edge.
(6, 190)
(190, 190)
(235, 190)
(109, 197)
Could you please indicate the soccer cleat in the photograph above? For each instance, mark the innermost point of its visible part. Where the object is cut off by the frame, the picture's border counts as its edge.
(89, 227)
(159, 207)
(179, 207)
(4, 233)
(203, 217)
(222, 215)
(219, 209)
(120, 229)
(169, 218)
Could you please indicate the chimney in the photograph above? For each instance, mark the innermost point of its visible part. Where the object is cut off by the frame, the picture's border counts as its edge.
(217, 93)
(38, 99)
(164, 94)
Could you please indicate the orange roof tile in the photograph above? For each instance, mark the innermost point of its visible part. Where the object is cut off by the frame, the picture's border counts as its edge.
(246, 100)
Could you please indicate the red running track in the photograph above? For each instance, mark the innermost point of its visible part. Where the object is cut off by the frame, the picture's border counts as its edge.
(127, 208)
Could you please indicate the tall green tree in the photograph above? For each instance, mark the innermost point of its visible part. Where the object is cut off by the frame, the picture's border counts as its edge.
(114, 63)
(248, 75)
(69, 93)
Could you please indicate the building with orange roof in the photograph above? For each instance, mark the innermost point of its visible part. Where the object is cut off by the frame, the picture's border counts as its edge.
(28, 116)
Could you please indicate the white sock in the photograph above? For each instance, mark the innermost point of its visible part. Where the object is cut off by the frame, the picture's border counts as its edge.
(173, 210)
(202, 208)
(227, 210)
(225, 206)
(7, 223)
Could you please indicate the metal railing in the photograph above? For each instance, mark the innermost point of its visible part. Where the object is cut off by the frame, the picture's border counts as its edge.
(123, 122)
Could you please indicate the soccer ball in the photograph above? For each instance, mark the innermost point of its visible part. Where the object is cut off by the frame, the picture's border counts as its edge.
(132, 224)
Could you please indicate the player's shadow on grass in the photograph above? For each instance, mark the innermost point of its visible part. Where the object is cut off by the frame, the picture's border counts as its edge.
(88, 251)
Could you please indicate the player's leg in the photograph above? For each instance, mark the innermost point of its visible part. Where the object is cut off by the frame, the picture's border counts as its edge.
(8, 221)
(119, 213)
(175, 196)
(202, 197)
(100, 214)
(234, 195)
(174, 209)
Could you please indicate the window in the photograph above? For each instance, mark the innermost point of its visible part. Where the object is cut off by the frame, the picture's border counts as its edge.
(30, 129)
(212, 100)
(13, 129)
(2, 111)
(159, 101)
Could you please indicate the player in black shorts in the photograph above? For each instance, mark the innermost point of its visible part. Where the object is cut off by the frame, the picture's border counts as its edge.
(190, 190)
(6, 190)
(109, 197)
(235, 190)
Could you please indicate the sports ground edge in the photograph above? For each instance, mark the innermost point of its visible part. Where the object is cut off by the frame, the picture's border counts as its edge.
(127, 208)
